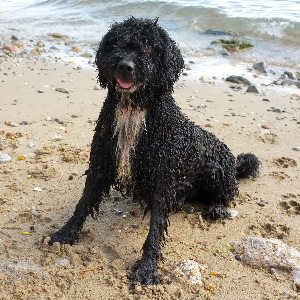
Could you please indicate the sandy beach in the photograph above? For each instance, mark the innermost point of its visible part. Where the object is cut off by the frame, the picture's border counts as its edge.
(47, 117)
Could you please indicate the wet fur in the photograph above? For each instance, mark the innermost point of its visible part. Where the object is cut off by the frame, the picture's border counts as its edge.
(171, 159)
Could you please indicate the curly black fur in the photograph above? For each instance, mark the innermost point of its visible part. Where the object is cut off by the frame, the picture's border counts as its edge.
(144, 145)
(247, 165)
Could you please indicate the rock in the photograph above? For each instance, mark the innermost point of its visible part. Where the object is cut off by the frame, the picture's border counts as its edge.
(265, 253)
(265, 126)
(13, 49)
(260, 66)
(190, 270)
(76, 49)
(188, 209)
(35, 51)
(264, 131)
(203, 79)
(62, 90)
(233, 45)
(296, 148)
(97, 87)
(135, 226)
(278, 110)
(57, 35)
(290, 82)
(4, 158)
(207, 125)
(238, 80)
(289, 74)
(40, 44)
(218, 32)
(24, 123)
(40, 91)
(252, 89)
(87, 54)
(14, 38)
(188, 67)
(267, 100)
(224, 52)
(232, 213)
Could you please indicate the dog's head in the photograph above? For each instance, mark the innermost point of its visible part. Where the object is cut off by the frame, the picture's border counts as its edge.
(137, 54)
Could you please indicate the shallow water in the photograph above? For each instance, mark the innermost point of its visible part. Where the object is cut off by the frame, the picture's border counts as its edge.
(272, 26)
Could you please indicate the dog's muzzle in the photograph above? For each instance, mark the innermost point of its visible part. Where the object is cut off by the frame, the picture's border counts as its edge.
(125, 76)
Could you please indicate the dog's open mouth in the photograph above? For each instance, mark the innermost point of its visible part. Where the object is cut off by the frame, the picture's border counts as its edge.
(125, 84)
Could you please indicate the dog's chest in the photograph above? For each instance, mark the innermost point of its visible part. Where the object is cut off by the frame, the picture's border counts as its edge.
(128, 124)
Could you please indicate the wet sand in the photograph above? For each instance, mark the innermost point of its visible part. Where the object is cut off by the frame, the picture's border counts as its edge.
(39, 192)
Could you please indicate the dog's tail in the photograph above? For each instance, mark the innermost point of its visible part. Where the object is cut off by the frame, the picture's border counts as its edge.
(247, 165)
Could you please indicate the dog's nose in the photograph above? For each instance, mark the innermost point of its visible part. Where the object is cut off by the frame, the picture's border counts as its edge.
(126, 66)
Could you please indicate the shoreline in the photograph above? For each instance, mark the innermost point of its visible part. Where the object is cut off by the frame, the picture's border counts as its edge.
(40, 192)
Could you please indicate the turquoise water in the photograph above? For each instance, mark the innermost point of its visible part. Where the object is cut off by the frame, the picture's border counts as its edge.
(272, 26)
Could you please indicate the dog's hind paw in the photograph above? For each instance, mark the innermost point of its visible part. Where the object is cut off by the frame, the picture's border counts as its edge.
(144, 272)
(216, 212)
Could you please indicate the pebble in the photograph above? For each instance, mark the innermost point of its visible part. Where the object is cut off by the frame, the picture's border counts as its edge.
(62, 90)
(262, 204)
(232, 213)
(224, 52)
(203, 79)
(238, 80)
(4, 158)
(207, 125)
(40, 44)
(24, 123)
(14, 49)
(265, 126)
(264, 131)
(296, 148)
(260, 66)
(252, 89)
(188, 209)
(118, 212)
(87, 54)
(40, 91)
(188, 67)
(76, 48)
(97, 87)
(267, 100)
(33, 211)
(278, 110)
(135, 226)
(57, 138)
(37, 189)
(290, 82)
(190, 270)
(58, 121)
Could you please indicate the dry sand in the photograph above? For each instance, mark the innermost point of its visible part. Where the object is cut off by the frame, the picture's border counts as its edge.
(96, 267)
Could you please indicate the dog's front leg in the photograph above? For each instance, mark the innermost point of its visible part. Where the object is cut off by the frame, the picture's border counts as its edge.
(145, 270)
(69, 232)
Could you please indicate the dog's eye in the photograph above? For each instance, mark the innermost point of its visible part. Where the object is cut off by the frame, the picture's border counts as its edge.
(149, 48)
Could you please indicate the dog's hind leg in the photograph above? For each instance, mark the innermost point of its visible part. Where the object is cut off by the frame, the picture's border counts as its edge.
(145, 270)
(91, 198)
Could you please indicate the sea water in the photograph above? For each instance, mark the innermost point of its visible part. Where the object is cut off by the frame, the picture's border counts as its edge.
(273, 27)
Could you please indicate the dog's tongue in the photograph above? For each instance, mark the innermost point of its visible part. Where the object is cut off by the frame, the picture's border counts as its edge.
(125, 84)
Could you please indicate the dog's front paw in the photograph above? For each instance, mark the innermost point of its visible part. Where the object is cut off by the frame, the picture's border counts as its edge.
(145, 272)
(216, 212)
(63, 236)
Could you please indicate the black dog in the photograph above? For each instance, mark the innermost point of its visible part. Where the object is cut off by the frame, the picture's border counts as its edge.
(143, 144)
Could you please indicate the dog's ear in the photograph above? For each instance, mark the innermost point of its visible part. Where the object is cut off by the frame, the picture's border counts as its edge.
(171, 62)
(99, 60)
